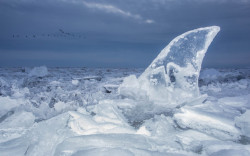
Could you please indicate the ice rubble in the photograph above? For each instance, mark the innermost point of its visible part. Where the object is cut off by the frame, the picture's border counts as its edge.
(159, 113)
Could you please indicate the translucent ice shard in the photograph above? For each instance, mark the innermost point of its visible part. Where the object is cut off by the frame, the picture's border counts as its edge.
(173, 76)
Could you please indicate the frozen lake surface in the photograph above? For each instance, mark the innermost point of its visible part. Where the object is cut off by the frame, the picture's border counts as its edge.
(171, 108)
(56, 114)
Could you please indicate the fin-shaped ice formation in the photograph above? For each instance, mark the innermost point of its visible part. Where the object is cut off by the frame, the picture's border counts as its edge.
(172, 77)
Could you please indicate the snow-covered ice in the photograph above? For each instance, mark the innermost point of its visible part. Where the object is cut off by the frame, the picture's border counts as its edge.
(168, 109)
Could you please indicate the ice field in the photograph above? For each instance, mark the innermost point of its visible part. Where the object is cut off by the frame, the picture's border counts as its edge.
(172, 108)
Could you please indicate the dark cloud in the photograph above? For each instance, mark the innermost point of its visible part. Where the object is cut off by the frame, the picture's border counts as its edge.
(117, 33)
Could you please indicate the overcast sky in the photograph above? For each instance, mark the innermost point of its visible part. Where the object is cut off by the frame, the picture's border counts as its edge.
(117, 33)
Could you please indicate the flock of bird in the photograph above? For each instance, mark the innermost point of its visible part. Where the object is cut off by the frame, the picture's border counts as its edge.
(60, 34)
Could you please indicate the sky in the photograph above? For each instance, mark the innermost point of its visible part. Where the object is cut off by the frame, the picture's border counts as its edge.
(118, 33)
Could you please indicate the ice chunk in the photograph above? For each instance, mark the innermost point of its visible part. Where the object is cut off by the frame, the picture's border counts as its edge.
(160, 126)
(40, 140)
(192, 140)
(232, 152)
(105, 118)
(39, 71)
(210, 74)
(226, 149)
(60, 106)
(106, 144)
(244, 123)
(7, 104)
(236, 101)
(98, 78)
(19, 92)
(143, 131)
(75, 82)
(175, 71)
(18, 119)
(15, 125)
(208, 123)
(172, 77)
(131, 88)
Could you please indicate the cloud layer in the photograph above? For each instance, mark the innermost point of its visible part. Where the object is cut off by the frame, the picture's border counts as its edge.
(117, 31)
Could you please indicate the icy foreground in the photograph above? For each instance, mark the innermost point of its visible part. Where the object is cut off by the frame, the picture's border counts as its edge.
(83, 111)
